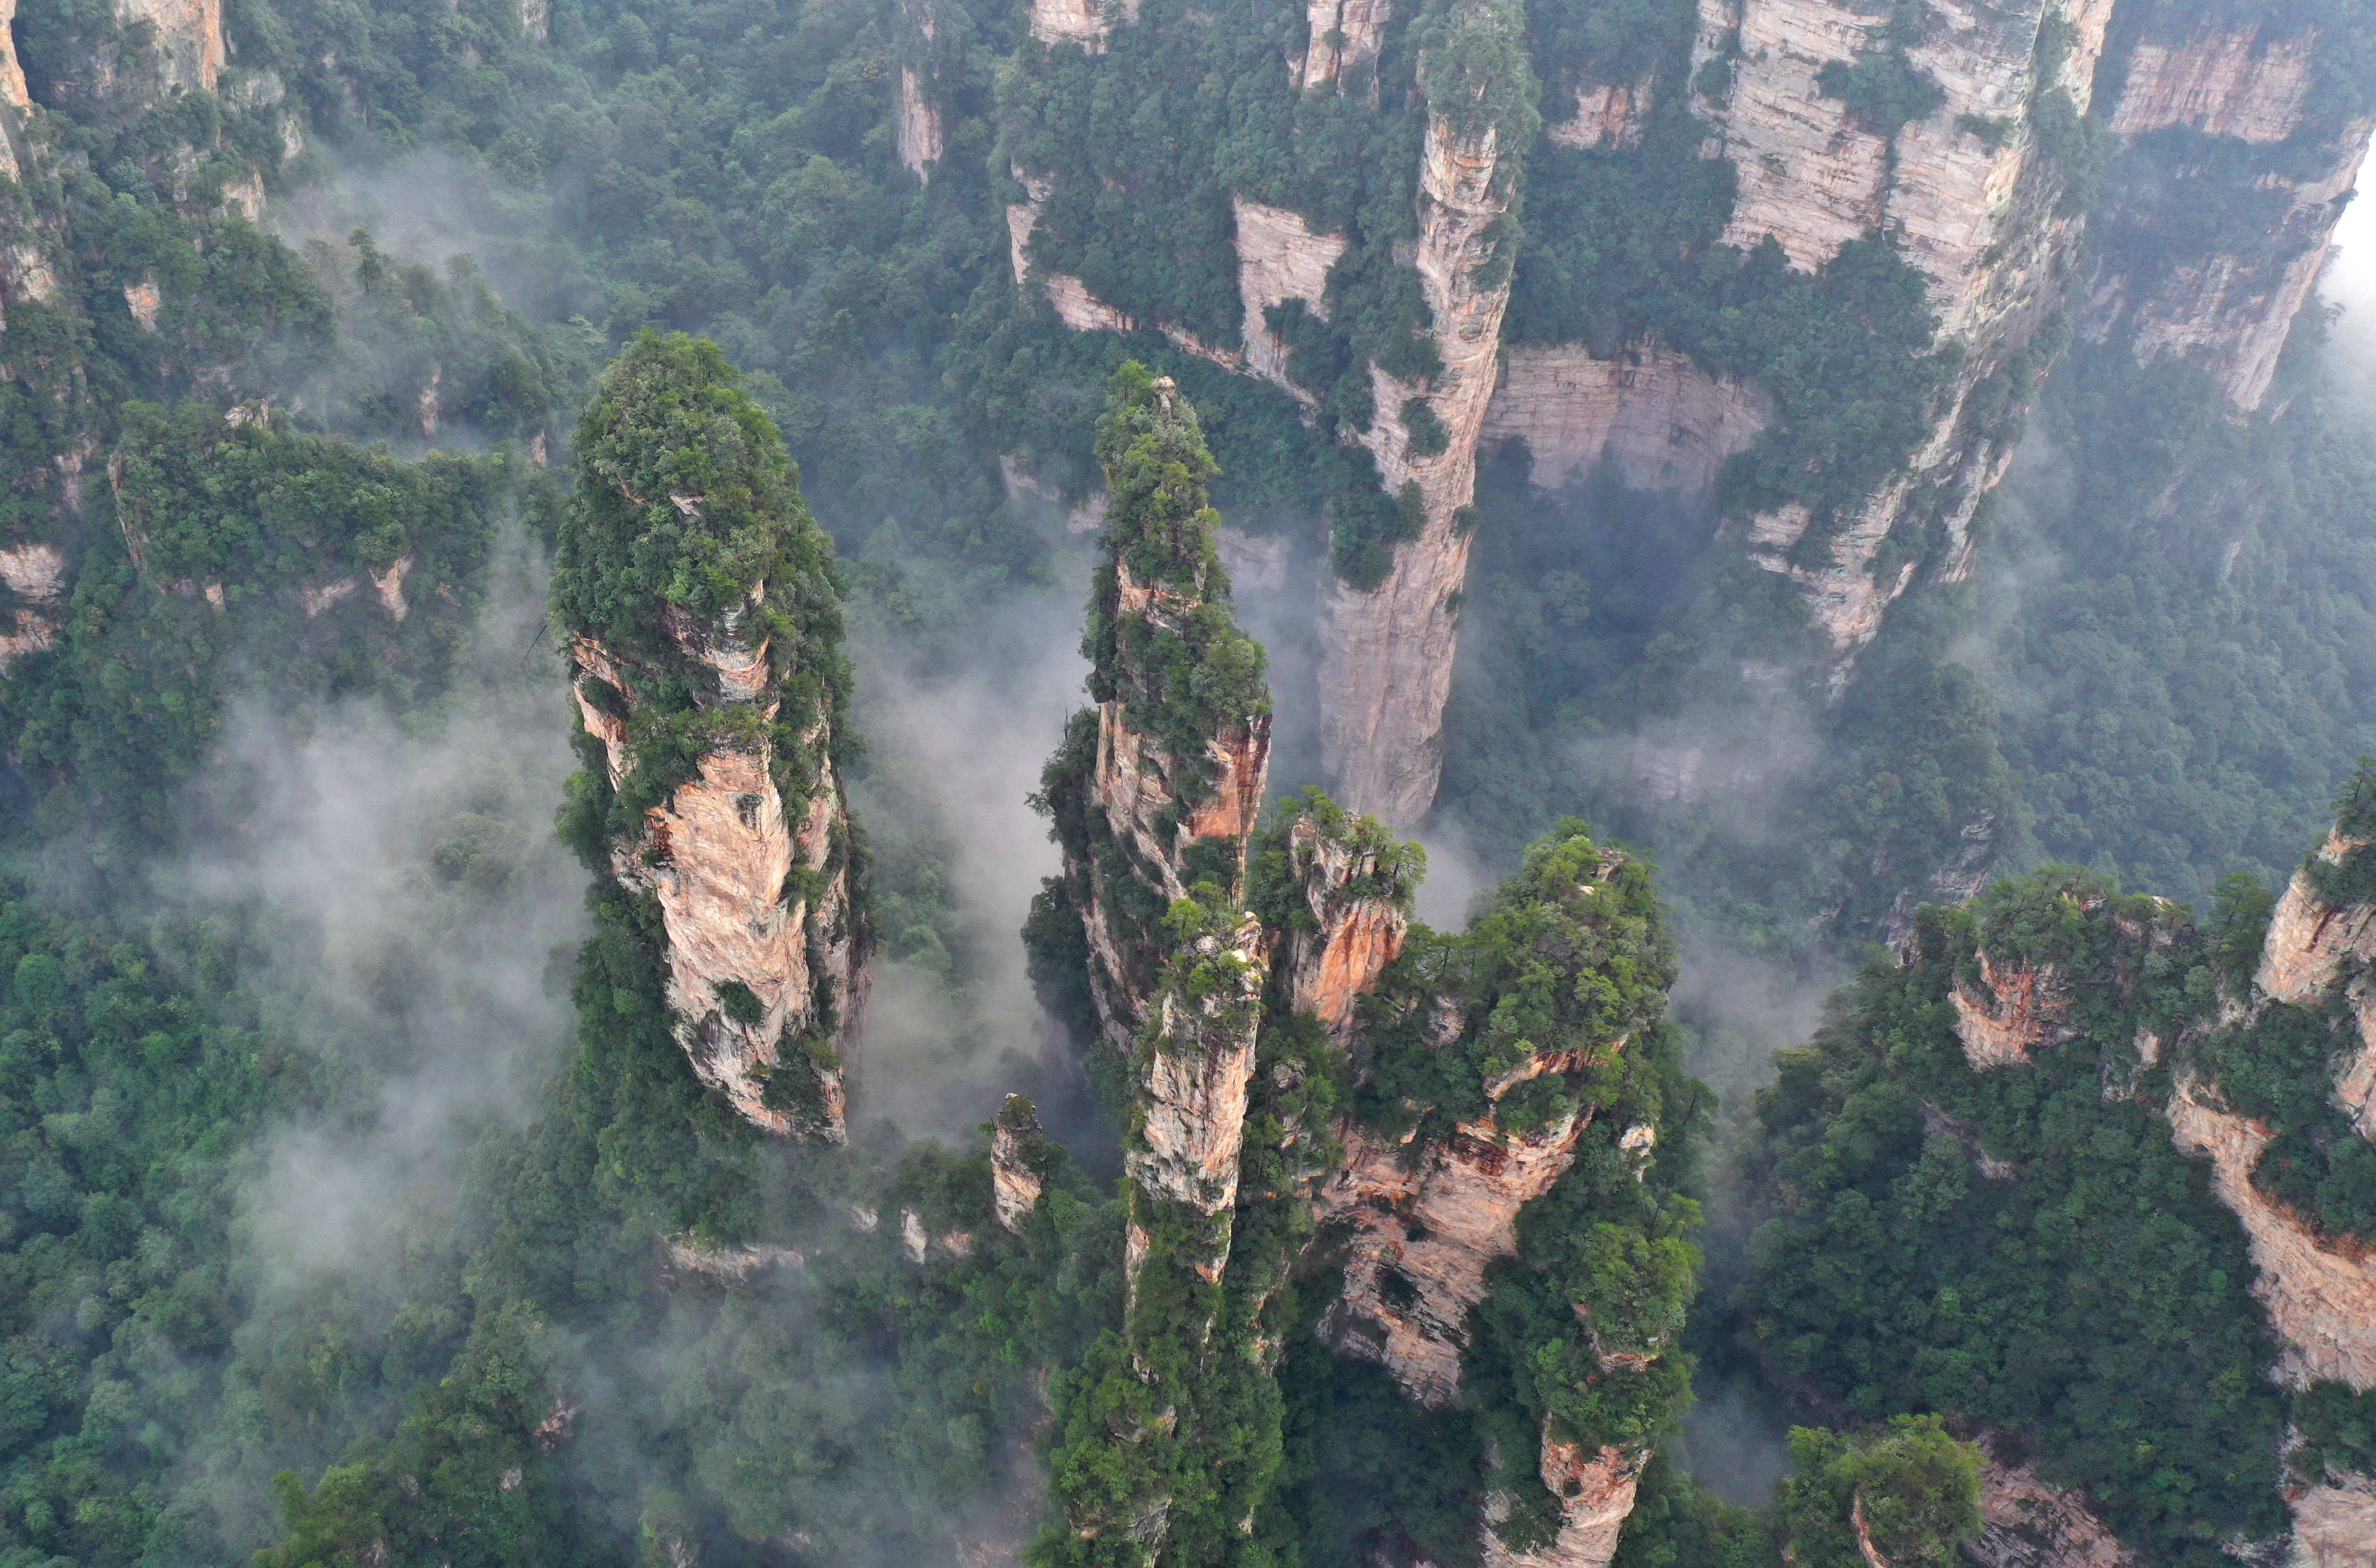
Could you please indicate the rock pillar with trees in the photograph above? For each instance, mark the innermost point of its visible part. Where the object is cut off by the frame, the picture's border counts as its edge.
(702, 612)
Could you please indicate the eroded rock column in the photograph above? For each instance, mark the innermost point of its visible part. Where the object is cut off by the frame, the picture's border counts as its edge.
(1386, 652)
(704, 626)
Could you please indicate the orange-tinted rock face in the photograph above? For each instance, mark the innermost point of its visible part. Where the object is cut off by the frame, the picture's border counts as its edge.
(2321, 1298)
(2019, 1010)
(1356, 930)
(1424, 1223)
(718, 857)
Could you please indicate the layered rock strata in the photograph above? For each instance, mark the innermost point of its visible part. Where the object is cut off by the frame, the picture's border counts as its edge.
(2026, 1523)
(1660, 421)
(1970, 190)
(1341, 43)
(2220, 115)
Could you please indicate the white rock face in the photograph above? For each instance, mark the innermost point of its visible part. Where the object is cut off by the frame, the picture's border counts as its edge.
(1083, 22)
(1279, 259)
(2250, 84)
(1194, 1086)
(1341, 46)
(1664, 423)
(921, 137)
(717, 858)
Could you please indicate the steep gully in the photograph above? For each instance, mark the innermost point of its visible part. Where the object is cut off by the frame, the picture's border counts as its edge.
(1975, 193)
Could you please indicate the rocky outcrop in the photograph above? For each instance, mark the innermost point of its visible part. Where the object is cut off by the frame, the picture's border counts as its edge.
(921, 137)
(1658, 421)
(1421, 1225)
(920, 133)
(1353, 885)
(747, 964)
(1341, 42)
(1595, 1492)
(2320, 1297)
(13, 92)
(1083, 22)
(1387, 653)
(1075, 305)
(728, 1266)
(2309, 940)
(1197, 1060)
(1018, 1162)
(2334, 1525)
(2216, 114)
(1607, 114)
(2016, 1009)
(2026, 1523)
(1279, 259)
(187, 37)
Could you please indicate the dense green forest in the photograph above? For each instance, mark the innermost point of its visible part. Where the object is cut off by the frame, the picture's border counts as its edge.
(359, 1202)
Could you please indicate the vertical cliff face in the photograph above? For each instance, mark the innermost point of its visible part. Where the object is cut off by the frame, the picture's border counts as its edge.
(1950, 128)
(1660, 420)
(1279, 259)
(2235, 157)
(1341, 44)
(922, 133)
(187, 37)
(1386, 652)
(704, 621)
